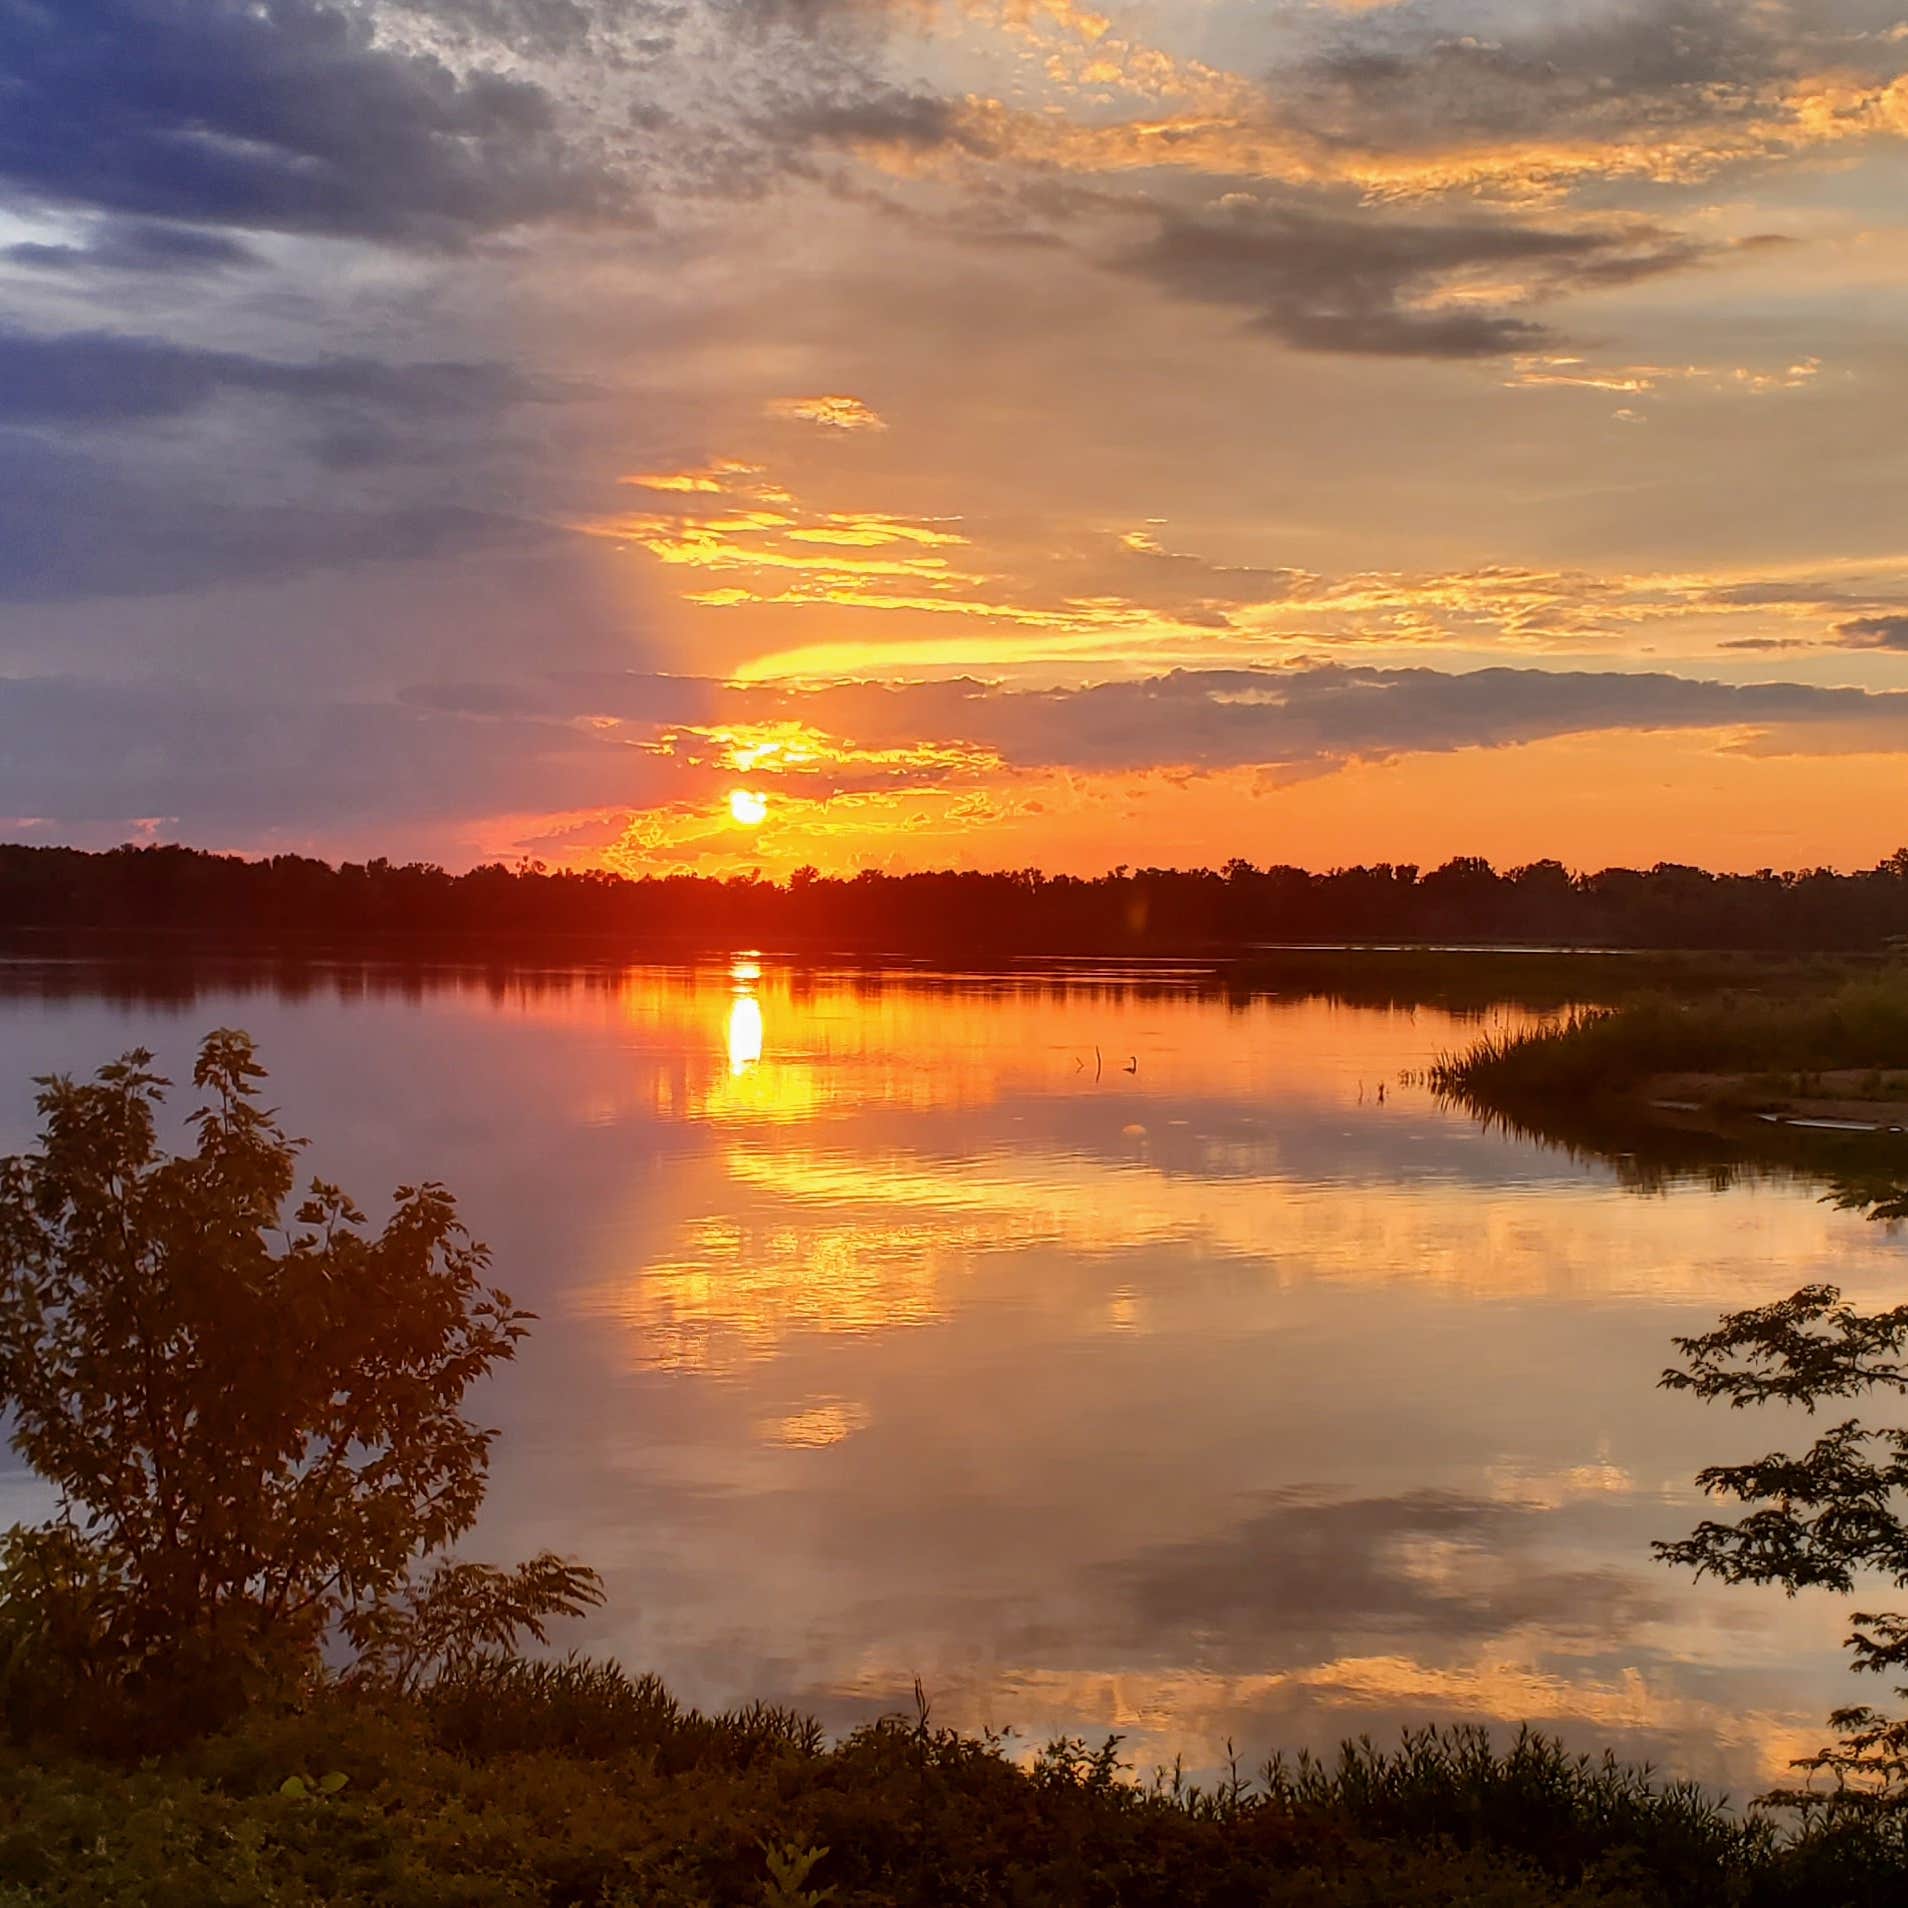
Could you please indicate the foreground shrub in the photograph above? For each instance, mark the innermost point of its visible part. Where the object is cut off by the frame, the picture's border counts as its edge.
(257, 1435)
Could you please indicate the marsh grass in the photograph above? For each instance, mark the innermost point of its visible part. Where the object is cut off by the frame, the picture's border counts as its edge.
(1779, 1041)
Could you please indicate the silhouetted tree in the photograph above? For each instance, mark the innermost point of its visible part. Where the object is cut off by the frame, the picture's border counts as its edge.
(165, 892)
(1825, 1516)
(256, 1434)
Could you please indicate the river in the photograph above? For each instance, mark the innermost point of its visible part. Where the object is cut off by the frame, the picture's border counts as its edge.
(1195, 1392)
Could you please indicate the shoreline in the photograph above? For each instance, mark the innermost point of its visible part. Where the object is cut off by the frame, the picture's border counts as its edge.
(1826, 1101)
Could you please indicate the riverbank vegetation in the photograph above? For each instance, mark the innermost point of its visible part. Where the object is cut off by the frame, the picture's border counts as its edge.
(1732, 1049)
(147, 895)
(572, 1786)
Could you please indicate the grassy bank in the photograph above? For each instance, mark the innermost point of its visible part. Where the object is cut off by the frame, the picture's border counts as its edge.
(1772, 1044)
(572, 1784)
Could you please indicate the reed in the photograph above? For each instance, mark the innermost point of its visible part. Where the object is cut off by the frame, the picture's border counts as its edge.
(1775, 1040)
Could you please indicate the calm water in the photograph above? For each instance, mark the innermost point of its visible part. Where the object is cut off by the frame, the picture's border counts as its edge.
(1212, 1399)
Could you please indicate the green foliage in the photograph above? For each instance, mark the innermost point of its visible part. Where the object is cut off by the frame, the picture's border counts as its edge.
(300, 1790)
(60, 1601)
(256, 1434)
(461, 1615)
(789, 1868)
(703, 1812)
(1821, 1519)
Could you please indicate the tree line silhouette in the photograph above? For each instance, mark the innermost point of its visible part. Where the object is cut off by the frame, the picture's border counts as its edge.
(188, 894)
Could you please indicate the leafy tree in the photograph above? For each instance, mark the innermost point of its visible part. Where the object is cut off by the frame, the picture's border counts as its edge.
(1822, 1517)
(256, 1432)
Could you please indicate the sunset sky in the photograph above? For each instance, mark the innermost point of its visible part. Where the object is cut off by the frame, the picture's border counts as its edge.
(887, 433)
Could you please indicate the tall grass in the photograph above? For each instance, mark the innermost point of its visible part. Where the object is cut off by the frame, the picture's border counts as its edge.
(1564, 1812)
(1612, 1050)
(576, 1707)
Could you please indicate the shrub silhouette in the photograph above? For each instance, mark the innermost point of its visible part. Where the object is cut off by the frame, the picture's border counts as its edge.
(256, 1432)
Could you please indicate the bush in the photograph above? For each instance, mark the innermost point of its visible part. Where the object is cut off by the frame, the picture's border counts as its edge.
(257, 1436)
(392, 1801)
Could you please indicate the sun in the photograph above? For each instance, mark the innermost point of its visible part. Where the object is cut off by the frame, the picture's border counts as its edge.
(748, 806)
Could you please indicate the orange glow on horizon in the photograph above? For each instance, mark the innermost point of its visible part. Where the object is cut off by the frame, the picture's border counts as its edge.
(1591, 801)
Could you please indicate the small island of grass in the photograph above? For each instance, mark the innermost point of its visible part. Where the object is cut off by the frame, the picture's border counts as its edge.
(1836, 1055)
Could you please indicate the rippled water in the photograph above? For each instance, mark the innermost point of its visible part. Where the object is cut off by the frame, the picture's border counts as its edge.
(1199, 1395)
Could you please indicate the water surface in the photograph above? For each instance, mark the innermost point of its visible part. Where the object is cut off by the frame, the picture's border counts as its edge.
(1196, 1394)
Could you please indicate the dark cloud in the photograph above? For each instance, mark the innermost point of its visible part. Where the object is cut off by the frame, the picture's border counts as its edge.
(1426, 77)
(877, 115)
(1357, 282)
(86, 752)
(640, 696)
(136, 245)
(89, 516)
(77, 526)
(1322, 269)
(79, 751)
(628, 695)
(1766, 595)
(1873, 632)
(1314, 717)
(275, 115)
(110, 378)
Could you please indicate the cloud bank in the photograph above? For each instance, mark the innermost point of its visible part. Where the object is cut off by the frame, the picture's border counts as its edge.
(73, 752)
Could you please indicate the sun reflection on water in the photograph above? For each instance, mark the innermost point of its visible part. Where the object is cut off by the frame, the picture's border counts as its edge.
(745, 1033)
(745, 1017)
(1379, 1386)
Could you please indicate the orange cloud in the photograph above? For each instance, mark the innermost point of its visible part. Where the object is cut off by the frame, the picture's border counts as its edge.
(832, 413)
(1539, 370)
(1226, 127)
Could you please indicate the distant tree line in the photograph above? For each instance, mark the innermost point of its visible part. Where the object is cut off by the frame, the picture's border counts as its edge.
(189, 895)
